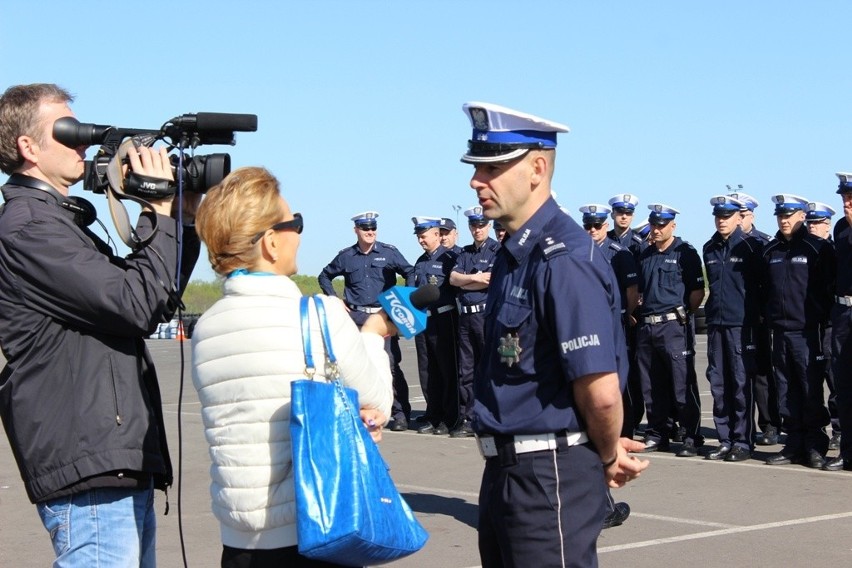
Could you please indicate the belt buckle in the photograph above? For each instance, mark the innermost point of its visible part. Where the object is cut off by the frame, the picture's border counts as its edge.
(486, 445)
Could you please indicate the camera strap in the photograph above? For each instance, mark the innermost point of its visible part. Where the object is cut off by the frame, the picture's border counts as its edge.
(115, 194)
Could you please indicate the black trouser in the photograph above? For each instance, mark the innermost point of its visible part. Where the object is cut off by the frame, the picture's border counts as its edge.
(841, 360)
(765, 385)
(799, 371)
(632, 400)
(436, 361)
(544, 508)
(269, 558)
(730, 369)
(471, 344)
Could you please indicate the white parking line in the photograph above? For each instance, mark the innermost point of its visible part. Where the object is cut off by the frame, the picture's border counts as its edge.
(723, 532)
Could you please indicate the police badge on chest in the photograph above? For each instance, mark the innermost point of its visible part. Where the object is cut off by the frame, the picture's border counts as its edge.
(509, 348)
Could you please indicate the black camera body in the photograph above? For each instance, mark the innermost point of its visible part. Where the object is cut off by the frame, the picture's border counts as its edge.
(199, 172)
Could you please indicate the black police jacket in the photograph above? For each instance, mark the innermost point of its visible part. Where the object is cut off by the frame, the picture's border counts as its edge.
(843, 248)
(733, 276)
(799, 281)
(79, 395)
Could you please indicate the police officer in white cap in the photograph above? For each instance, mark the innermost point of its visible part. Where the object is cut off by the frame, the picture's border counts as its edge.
(841, 320)
(765, 390)
(733, 260)
(799, 272)
(369, 267)
(623, 209)
(436, 346)
(672, 284)
(547, 407)
(471, 276)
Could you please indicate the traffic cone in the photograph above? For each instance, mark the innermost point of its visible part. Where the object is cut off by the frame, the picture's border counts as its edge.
(179, 333)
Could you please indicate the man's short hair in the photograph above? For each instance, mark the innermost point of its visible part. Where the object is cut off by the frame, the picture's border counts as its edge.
(19, 116)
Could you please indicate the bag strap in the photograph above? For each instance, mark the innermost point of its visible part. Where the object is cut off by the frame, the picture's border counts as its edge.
(334, 371)
(305, 314)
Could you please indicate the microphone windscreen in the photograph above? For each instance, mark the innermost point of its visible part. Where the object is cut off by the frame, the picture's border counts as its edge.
(223, 121)
(425, 295)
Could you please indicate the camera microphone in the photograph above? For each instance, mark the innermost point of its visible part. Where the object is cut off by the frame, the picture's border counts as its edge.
(405, 307)
(217, 122)
(72, 133)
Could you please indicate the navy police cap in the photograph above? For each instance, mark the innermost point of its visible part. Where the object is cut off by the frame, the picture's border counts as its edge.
(845, 185)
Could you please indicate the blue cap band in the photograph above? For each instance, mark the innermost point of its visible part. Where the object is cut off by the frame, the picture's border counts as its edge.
(546, 139)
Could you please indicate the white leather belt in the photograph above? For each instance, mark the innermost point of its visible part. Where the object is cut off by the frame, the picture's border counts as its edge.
(365, 309)
(441, 310)
(660, 318)
(472, 309)
(843, 300)
(530, 443)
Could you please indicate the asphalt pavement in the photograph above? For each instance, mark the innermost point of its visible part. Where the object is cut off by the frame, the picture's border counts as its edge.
(685, 511)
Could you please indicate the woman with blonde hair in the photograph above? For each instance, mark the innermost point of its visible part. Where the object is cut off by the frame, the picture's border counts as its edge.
(247, 349)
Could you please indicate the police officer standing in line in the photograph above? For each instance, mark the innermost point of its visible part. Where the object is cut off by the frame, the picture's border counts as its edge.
(818, 222)
(765, 385)
(799, 278)
(733, 261)
(449, 235)
(841, 320)
(499, 231)
(471, 276)
(623, 208)
(436, 346)
(672, 286)
(626, 274)
(547, 407)
(369, 267)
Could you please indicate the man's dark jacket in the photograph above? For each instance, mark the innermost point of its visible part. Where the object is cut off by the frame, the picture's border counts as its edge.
(79, 395)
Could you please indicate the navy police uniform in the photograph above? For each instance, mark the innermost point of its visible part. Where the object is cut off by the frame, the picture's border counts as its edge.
(732, 312)
(841, 324)
(765, 389)
(436, 346)
(365, 276)
(665, 354)
(471, 320)
(552, 316)
(799, 279)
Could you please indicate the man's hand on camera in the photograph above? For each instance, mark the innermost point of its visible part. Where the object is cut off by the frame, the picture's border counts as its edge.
(153, 163)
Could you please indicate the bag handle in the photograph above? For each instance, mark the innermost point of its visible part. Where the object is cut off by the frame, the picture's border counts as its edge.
(331, 360)
(310, 368)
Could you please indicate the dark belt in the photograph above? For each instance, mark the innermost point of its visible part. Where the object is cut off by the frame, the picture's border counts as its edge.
(440, 310)
(474, 309)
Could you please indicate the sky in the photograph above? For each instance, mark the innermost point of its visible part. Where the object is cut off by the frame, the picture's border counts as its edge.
(359, 102)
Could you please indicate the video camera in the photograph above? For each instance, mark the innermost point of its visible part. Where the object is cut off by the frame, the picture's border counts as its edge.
(199, 173)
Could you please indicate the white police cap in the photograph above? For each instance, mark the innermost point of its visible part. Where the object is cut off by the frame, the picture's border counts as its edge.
(367, 218)
(422, 223)
(749, 202)
(501, 134)
(818, 211)
(595, 212)
(475, 216)
(661, 213)
(624, 201)
(787, 203)
(642, 229)
(845, 185)
(726, 205)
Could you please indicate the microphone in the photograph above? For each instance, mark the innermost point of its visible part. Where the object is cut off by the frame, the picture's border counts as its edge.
(405, 307)
(217, 122)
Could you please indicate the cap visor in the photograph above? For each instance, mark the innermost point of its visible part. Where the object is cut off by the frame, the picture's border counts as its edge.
(514, 154)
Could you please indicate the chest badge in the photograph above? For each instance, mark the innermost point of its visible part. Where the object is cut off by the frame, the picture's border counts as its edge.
(432, 279)
(509, 349)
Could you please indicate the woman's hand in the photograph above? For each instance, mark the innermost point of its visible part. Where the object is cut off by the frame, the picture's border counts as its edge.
(374, 420)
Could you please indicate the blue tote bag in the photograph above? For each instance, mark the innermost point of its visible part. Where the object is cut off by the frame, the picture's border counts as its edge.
(348, 509)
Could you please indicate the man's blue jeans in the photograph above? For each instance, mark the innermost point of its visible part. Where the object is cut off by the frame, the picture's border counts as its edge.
(102, 528)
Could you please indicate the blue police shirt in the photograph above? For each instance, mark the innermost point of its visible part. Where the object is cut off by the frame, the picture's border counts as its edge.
(843, 248)
(759, 235)
(474, 260)
(551, 286)
(367, 275)
(668, 277)
(435, 269)
(733, 276)
(630, 240)
(799, 281)
(623, 264)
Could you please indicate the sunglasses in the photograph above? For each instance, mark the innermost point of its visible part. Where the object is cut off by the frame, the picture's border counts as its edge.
(590, 226)
(294, 224)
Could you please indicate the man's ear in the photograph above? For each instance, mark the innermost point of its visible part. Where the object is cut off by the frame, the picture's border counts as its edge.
(28, 148)
(539, 166)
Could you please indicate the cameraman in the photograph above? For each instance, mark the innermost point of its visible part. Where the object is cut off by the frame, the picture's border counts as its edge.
(79, 395)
